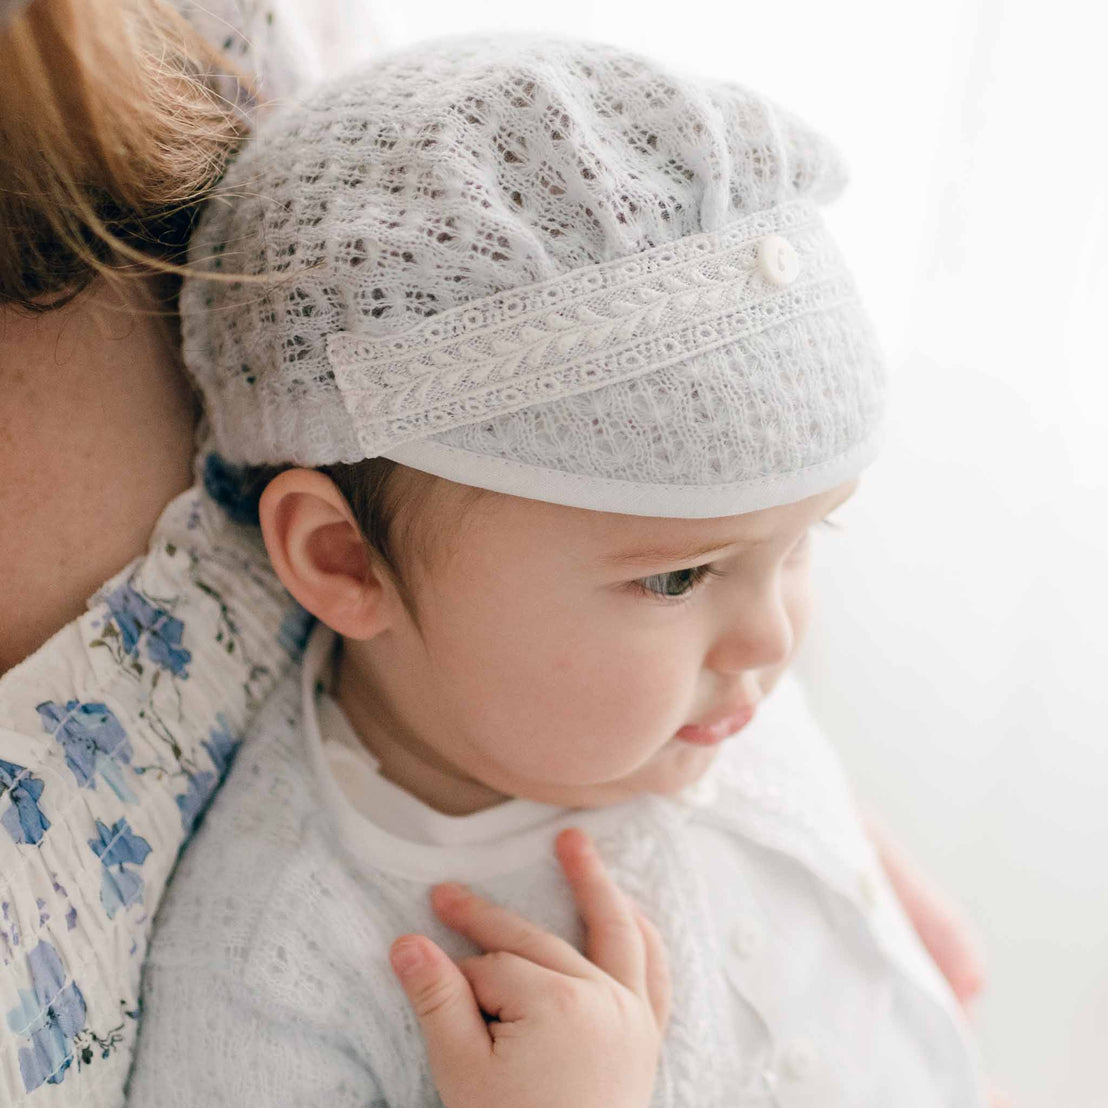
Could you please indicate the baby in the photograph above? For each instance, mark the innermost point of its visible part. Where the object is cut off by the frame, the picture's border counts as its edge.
(548, 368)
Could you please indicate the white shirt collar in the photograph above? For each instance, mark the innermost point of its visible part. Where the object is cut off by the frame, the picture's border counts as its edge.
(494, 842)
(375, 798)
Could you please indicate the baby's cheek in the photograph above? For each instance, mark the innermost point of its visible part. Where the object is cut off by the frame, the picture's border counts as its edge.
(608, 712)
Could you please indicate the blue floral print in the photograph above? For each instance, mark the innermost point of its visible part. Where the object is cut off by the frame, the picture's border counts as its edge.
(192, 801)
(93, 740)
(23, 820)
(236, 489)
(220, 745)
(118, 846)
(138, 619)
(295, 629)
(51, 1014)
(185, 647)
(10, 934)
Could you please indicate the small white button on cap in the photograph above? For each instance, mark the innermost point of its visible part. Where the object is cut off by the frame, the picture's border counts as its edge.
(778, 260)
(747, 937)
(799, 1059)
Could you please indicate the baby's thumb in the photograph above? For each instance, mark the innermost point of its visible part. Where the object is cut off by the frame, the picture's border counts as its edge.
(441, 997)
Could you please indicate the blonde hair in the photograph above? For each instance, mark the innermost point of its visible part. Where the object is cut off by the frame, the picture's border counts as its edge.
(112, 132)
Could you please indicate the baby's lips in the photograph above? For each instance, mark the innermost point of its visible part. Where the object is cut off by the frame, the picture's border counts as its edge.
(709, 733)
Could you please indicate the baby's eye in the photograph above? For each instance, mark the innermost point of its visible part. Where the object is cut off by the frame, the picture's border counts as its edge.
(676, 583)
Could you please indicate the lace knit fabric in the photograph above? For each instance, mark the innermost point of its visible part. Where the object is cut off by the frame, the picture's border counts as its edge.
(268, 980)
(543, 266)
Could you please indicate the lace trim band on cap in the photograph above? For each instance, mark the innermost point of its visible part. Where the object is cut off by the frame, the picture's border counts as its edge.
(595, 326)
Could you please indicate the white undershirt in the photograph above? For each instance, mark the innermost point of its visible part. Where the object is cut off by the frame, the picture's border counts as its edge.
(772, 915)
(396, 810)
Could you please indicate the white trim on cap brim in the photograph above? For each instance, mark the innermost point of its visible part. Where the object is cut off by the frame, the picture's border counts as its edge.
(636, 498)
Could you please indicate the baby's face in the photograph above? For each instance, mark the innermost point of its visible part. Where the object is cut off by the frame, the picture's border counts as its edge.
(563, 650)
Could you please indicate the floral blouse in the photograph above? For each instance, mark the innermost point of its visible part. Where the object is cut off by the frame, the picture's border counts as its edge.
(113, 738)
(115, 734)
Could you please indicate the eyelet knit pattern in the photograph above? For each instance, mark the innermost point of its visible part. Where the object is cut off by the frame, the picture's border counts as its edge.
(540, 254)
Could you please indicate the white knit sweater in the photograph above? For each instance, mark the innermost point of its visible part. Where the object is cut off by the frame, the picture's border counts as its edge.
(268, 981)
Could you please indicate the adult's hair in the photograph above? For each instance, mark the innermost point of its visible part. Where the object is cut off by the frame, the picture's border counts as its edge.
(112, 131)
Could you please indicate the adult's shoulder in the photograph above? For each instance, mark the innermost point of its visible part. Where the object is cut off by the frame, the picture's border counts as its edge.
(227, 1015)
(246, 840)
(113, 735)
(266, 939)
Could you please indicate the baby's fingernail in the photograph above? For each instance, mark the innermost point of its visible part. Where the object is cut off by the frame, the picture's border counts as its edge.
(450, 892)
(406, 958)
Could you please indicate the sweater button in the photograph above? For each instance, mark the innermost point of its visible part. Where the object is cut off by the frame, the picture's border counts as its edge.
(747, 937)
(799, 1060)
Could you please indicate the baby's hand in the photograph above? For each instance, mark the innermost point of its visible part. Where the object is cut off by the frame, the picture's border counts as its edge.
(566, 1031)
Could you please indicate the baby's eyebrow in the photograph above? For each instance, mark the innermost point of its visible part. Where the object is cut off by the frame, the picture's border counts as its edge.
(662, 555)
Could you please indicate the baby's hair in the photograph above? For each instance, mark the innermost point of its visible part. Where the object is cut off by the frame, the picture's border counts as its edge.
(112, 133)
(407, 517)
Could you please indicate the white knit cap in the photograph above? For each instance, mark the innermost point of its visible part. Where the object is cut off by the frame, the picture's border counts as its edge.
(545, 267)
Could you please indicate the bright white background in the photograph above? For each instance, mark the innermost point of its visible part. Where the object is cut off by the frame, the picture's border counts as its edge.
(960, 656)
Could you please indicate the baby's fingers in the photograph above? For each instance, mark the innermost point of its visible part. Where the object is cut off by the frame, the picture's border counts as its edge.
(659, 985)
(493, 927)
(613, 940)
(508, 987)
(441, 997)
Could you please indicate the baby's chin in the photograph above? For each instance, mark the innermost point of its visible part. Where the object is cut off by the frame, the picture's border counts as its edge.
(683, 765)
(675, 767)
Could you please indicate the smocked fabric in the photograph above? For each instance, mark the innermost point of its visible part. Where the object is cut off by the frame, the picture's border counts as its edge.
(115, 733)
(113, 738)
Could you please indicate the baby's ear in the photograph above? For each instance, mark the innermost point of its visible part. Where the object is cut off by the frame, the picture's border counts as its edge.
(317, 549)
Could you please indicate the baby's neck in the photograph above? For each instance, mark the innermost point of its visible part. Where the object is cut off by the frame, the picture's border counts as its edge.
(404, 759)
